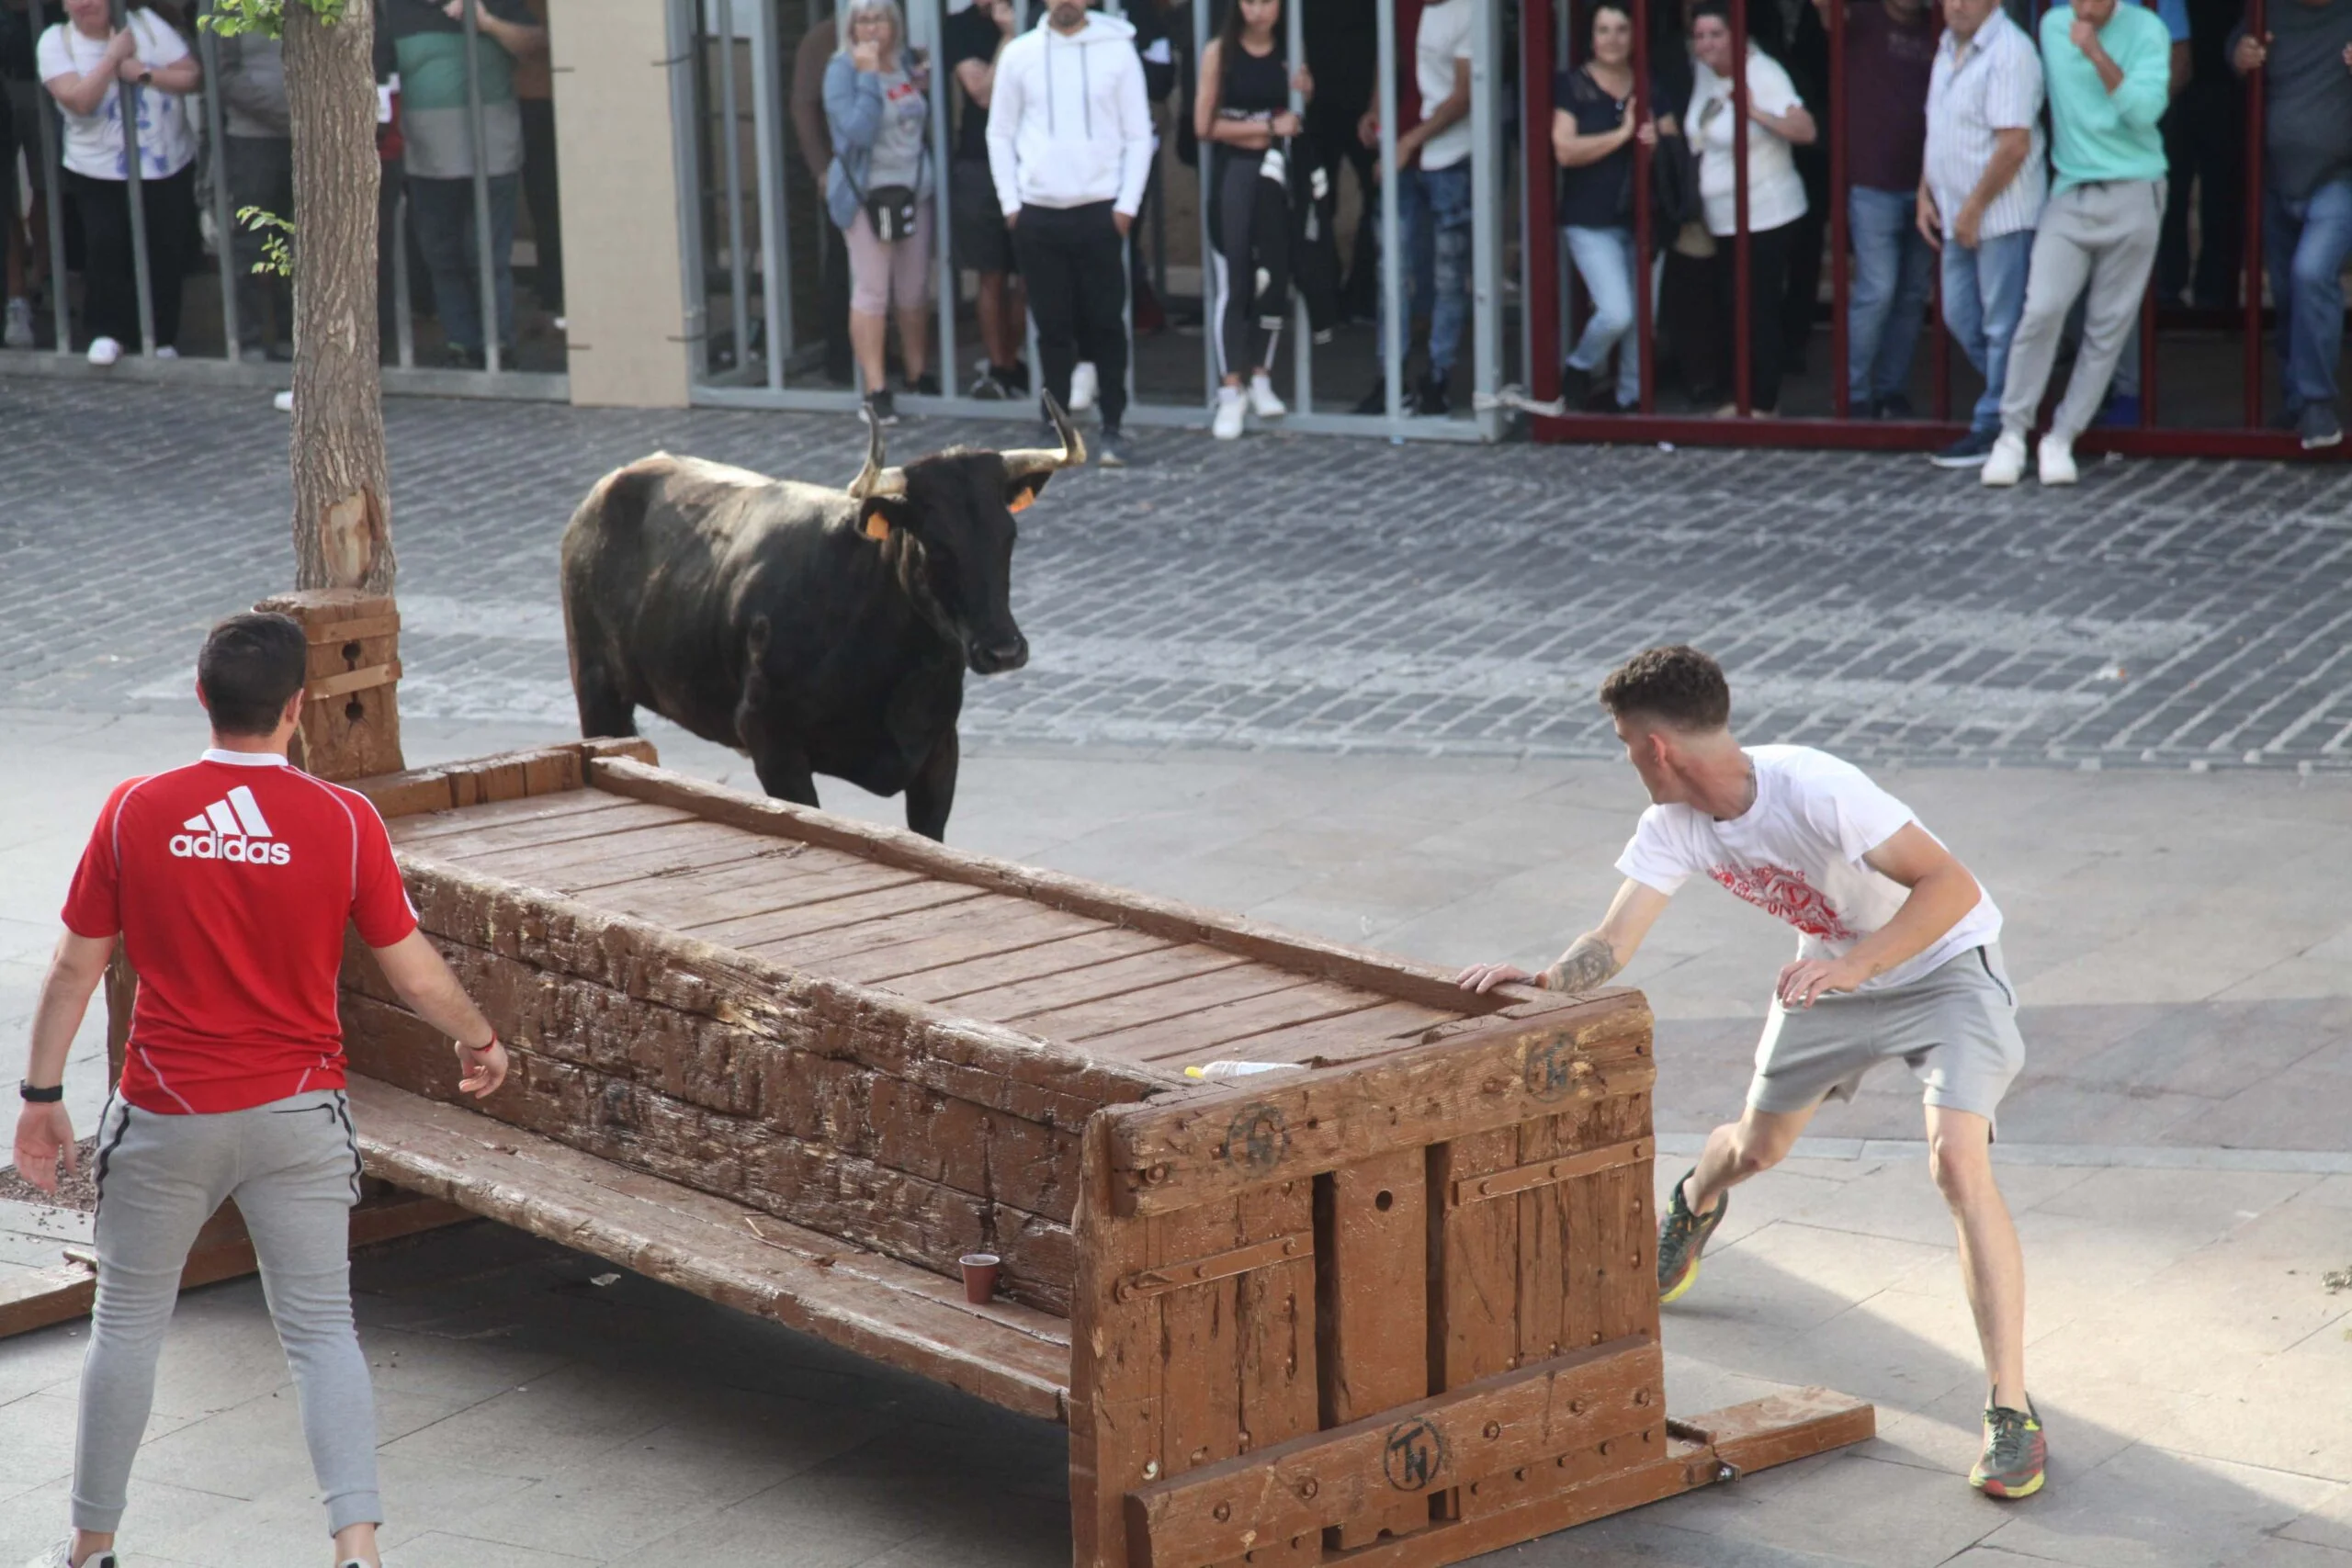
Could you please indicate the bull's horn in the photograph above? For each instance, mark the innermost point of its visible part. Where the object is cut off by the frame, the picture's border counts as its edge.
(1027, 462)
(874, 479)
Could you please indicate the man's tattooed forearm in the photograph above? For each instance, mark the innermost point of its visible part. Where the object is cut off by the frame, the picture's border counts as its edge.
(1586, 966)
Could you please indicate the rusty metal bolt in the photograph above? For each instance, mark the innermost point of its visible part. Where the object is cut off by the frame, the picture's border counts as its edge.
(1221, 1512)
(1156, 1175)
(1494, 1430)
(1309, 1487)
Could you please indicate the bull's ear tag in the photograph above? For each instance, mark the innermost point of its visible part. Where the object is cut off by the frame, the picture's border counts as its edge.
(877, 525)
(1021, 500)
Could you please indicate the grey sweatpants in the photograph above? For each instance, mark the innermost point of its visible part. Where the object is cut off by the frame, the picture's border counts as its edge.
(2102, 235)
(293, 1167)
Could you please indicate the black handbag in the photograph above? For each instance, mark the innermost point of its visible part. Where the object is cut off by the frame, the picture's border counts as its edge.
(890, 209)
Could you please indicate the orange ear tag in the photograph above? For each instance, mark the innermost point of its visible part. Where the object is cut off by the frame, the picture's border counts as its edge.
(877, 525)
(1021, 503)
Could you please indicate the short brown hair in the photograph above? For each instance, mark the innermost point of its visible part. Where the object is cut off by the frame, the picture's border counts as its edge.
(251, 666)
(1678, 685)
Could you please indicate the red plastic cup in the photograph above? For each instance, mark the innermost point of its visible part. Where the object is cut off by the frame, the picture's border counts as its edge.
(979, 1276)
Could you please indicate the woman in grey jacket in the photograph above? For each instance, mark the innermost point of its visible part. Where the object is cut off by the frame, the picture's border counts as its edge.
(877, 106)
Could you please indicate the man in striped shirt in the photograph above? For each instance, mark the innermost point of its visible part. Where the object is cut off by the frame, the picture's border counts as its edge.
(1980, 195)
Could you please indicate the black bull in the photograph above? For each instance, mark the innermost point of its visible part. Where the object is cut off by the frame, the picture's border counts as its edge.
(821, 631)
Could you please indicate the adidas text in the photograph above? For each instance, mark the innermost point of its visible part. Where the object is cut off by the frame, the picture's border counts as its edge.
(213, 846)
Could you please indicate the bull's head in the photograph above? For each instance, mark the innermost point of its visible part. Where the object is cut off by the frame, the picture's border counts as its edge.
(946, 523)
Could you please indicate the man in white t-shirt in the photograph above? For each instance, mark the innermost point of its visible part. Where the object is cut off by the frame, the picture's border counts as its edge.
(1433, 200)
(1898, 956)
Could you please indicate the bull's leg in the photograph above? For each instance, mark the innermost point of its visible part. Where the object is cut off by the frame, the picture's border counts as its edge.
(930, 794)
(785, 773)
(603, 709)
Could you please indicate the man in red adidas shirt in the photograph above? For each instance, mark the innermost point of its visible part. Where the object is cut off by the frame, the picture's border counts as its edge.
(229, 882)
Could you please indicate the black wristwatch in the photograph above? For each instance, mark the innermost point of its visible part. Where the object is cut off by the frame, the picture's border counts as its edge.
(49, 1096)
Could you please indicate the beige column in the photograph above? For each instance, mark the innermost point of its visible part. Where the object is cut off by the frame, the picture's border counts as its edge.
(623, 290)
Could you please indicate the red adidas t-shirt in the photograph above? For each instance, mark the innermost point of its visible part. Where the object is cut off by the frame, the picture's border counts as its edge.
(230, 881)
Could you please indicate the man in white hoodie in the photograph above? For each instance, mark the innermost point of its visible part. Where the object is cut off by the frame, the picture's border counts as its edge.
(1070, 146)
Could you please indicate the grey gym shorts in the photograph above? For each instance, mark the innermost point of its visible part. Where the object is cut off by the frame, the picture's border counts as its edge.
(1955, 1027)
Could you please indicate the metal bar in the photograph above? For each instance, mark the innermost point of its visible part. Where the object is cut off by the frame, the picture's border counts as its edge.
(1219, 1266)
(1212, 324)
(1302, 336)
(1545, 1173)
(1743, 314)
(1941, 354)
(1841, 283)
(134, 191)
(1540, 312)
(1392, 269)
(767, 138)
(1485, 216)
(53, 181)
(731, 152)
(1645, 312)
(478, 131)
(2254, 22)
(2148, 354)
(950, 283)
(224, 217)
(686, 49)
(403, 309)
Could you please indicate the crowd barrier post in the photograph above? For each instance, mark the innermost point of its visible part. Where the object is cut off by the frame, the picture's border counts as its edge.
(54, 183)
(1541, 298)
(1210, 326)
(2148, 348)
(1487, 81)
(767, 140)
(224, 214)
(1645, 112)
(404, 307)
(685, 41)
(134, 191)
(1743, 309)
(1940, 356)
(731, 154)
(493, 335)
(1302, 335)
(2256, 22)
(1841, 394)
(948, 283)
(1392, 264)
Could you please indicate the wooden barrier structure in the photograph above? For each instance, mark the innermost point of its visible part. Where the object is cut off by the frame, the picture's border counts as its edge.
(1395, 1304)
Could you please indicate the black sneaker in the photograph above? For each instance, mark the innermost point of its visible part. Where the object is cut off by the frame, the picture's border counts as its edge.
(925, 385)
(1430, 400)
(1013, 378)
(1969, 452)
(1376, 400)
(1681, 1237)
(1894, 405)
(2317, 426)
(881, 409)
(1576, 388)
(1110, 447)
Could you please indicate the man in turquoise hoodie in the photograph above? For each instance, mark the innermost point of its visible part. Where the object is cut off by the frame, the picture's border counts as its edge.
(2106, 66)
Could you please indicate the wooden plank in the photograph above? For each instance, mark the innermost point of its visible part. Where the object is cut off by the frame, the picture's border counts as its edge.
(879, 951)
(1279, 1360)
(830, 914)
(1151, 1004)
(1372, 1311)
(787, 873)
(431, 825)
(1625, 1226)
(1116, 1369)
(469, 844)
(1520, 1418)
(886, 1311)
(1194, 1035)
(1392, 976)
(1504, 1072)
(1337, 1042)
(1783, 1427)
(1550, 1230)
(1088, 978)
(1200, 1338)
(592, 846)
(1050, 943)
(680, 855)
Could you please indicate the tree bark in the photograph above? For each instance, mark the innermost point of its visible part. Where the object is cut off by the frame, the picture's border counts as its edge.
(342, 497)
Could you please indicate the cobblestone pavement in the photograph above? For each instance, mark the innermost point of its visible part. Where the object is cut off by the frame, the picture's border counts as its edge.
(1296, 592)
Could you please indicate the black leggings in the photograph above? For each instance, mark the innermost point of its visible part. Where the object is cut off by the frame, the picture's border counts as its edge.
(1767, 281)
(110, 302)
(1236, 207)
(1075, 265)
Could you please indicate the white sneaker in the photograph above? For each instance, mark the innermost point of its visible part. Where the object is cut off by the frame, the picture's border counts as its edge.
(62, 1556)
(1262, 402)
(168, 352)
(2007, 465)
(1231, 408)
(19, 334)
(105, 351)
(1083, 385)
(2053, 460)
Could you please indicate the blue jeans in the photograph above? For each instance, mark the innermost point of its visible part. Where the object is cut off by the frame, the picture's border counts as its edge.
(2306, 242)
(443, 211)
(1893, 273)
(1433, 213)
(1606, 261)
(1983, 295)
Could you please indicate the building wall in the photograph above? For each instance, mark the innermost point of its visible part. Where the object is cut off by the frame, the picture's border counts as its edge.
(623, 290)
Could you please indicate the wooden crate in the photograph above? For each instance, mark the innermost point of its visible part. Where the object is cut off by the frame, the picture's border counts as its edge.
(1398, 1304)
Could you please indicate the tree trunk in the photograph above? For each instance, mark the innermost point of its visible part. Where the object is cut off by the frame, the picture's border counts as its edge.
(342, 499)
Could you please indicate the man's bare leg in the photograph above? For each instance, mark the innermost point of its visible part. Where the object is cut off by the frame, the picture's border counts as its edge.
(1992, 1264)
(1738, 1150)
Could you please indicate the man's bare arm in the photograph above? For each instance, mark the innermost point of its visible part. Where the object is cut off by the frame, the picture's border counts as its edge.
(420, 977)
(1593, 958)
(1942, 893)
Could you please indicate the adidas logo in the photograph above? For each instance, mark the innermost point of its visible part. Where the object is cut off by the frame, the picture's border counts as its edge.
(233, 829)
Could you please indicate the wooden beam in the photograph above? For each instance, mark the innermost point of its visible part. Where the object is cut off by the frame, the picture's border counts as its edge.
(1180, 1153)
(511, 775)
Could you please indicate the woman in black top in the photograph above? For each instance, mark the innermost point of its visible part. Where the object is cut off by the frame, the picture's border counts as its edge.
(1241, 111)
(1593, 131)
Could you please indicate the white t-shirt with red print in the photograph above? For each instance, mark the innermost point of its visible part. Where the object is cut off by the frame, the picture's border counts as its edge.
(1797, 855)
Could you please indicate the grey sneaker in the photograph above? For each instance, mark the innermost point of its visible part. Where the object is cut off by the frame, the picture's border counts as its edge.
(1681, 1237)
(62, 1556)
(2317, 426)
